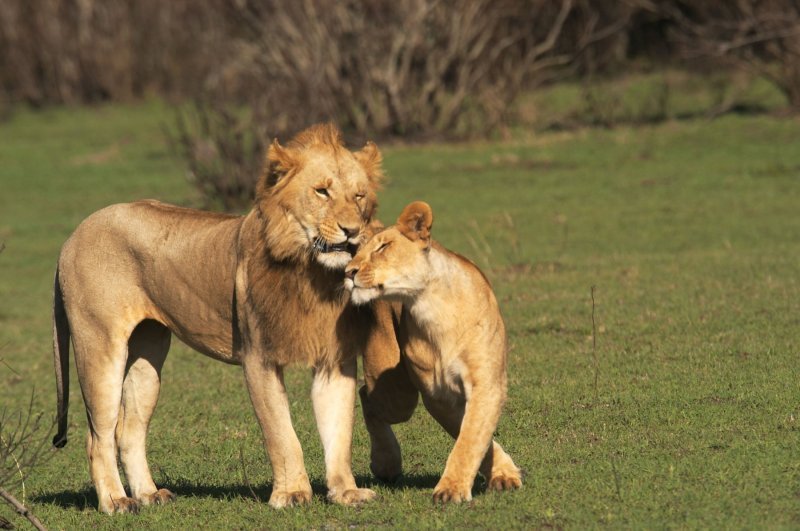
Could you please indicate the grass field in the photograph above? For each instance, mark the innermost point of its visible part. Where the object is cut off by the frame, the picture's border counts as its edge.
(689, 231)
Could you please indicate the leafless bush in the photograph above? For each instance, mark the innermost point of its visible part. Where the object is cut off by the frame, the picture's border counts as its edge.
(406, 67)
(24, 441)
(759, 35)
(224, 152)
(72, 51)
(380, 68)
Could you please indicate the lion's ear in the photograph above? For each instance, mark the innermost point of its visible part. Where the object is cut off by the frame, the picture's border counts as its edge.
(278, 162)
(370, 159)
(415, 221)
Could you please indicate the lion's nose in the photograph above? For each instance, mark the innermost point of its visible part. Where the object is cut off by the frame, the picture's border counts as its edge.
(351, 272)
(349, 232)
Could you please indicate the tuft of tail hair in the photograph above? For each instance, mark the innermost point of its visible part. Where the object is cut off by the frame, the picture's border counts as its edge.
(61, 335)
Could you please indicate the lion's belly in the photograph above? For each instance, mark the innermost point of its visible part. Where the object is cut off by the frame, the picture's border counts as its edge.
(208, 336)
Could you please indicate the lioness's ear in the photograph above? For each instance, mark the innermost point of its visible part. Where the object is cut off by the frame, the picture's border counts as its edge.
(278, 162)
(415, 221)
(370, 159)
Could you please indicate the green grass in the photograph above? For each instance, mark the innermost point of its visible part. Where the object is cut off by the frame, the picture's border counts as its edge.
(689, 230)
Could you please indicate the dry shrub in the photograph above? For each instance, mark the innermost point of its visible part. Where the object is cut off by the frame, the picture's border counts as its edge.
(386, 68)
(759, 35)
(266, 68)
(74, 51)
(407, 67)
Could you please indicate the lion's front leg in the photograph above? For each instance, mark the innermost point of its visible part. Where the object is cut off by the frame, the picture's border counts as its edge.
(333, 394)
(267, 392)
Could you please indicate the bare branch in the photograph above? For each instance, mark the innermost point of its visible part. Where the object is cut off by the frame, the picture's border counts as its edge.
(21, 509)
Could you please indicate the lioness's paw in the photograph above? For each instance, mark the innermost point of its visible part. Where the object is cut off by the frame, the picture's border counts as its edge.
(448, 491)
(502, 481)
(122, 505)
(160, 497)
(281, 499)
(353, 496)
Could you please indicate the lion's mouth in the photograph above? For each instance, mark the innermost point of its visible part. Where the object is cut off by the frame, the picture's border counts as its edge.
(322, 246)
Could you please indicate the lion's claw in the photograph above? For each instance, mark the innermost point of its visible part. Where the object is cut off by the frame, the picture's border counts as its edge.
(449, 492)
(160, 497)
(503, 482)
(125, 505)
(281, 499)
(353, 496)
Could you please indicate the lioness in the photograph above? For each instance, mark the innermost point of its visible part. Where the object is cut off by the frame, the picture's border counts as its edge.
(452, 343)
(263, 290)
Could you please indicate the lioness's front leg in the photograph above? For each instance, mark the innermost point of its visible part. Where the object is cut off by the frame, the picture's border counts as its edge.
(472, 425)
(333, 394)
(290, 485)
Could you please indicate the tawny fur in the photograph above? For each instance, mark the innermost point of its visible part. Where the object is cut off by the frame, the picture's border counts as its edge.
(450, 347)
(262, 291)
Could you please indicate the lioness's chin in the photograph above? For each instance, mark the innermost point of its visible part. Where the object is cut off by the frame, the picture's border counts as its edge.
(336, 260)
(363, 295)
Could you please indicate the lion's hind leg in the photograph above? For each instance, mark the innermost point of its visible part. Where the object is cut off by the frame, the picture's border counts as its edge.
(147, 350)
(380, 412)
(100, 359)
(388, 395)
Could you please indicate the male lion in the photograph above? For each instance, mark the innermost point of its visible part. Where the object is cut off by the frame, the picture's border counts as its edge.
(262, 291)
(452, 342)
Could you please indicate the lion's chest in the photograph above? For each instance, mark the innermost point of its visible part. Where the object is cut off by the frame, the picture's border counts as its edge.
(293, 319)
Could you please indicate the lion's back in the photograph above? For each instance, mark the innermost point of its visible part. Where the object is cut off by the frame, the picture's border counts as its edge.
(152, 257)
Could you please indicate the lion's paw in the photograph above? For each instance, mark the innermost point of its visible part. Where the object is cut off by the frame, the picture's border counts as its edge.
(160, 497)
(504, 481)
(387, 466)
(124, 505)
(353, 496)
(448, 491)
(281, 499)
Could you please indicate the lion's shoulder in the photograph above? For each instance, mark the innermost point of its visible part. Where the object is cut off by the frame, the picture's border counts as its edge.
(157, 206)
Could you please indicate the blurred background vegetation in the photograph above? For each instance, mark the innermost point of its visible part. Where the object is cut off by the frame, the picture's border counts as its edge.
(240, 72)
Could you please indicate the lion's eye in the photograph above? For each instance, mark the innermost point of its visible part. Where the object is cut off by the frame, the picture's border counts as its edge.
(322, 192)
(382, 247)
(359, 197)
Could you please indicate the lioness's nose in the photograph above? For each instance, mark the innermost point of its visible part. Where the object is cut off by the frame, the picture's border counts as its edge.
(351, 272)
(349, 231)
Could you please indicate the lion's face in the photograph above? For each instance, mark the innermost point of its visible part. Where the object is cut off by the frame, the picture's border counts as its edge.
(326, 198)
(394, 263)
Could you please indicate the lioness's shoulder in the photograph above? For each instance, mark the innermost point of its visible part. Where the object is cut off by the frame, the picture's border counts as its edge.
(464, 263)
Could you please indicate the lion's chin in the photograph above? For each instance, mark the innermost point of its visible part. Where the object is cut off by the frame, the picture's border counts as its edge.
(335, 260)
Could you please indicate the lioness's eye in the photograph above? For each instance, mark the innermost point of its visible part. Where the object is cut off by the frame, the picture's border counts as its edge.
(359, 197)
(322, 192)
(382, 247)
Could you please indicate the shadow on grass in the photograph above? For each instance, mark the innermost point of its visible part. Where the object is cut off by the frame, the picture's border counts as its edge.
(86, 498)
(406, 481)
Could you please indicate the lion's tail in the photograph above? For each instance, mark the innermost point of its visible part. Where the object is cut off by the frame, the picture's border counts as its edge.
(61, 361)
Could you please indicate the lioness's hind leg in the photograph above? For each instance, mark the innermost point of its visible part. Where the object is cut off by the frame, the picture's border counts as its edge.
(147, 350)
(100, 360)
